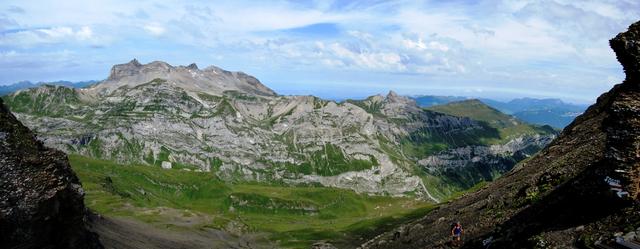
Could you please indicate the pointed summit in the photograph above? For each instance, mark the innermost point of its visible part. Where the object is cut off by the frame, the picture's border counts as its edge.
(134, 62)
(393, 97)
(397, 106)
(127, 69)
(193, 66)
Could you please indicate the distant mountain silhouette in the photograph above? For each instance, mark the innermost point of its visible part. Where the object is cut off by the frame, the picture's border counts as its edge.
(553, 112)
(8, 89)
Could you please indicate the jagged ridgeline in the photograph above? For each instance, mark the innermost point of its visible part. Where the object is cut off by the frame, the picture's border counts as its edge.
(231, 124)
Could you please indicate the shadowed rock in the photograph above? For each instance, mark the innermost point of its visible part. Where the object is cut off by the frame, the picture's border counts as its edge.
(41, 199)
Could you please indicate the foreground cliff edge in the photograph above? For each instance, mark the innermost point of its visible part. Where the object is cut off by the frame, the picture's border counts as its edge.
(41, 199)
(581, 191)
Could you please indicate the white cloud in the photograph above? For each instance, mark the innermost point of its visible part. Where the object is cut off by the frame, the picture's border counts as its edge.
(501, 43)
(85, 33)
(33, 37)
(54, 33)
(364, 36)
(155, 29)
(411, 44)
(420, 45)
(384, 61)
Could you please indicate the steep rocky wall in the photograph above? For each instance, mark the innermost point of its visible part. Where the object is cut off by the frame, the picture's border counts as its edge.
(41, 199)
(624, 124)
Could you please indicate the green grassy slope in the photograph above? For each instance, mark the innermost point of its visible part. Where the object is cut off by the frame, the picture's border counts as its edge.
(477, 110)
(48, 100)
(449, 182)
(508, 126)
(295, 217)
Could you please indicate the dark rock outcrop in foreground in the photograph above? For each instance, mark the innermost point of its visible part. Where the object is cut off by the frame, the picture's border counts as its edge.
(582, 190)
(41, 199)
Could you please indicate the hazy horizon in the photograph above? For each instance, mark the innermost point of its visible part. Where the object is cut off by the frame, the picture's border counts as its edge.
(327, 92)
(332, 49)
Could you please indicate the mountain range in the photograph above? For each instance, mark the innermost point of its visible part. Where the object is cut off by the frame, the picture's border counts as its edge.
(10, 88)
(231, 124)
(553, 112)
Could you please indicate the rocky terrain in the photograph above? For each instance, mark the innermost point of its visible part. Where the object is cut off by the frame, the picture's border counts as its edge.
(466, 165)
(229, 123)
(41, 199)
(582, 190)
(124, 233)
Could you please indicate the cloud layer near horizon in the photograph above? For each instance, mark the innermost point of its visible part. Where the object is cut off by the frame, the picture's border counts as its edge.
(331, 48)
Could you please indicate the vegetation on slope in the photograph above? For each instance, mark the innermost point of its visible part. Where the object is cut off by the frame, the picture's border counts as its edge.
(507, 126)
(498, 128)
(329, 161)
(48, 100)
(371, 104)
(295, 217)
(101, 129)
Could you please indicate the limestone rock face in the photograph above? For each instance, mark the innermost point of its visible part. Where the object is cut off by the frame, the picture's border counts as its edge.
(489, 156)
(166, 165)
(41, 199)
(229, 123)
(211, 80)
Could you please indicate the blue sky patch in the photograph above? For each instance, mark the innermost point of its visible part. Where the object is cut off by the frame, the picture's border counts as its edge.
(493, 48)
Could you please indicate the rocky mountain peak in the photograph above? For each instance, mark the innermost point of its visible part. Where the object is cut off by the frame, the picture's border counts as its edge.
(135, 62)
(193, 66)
(394, 99)
(158, 65)
(121, 70)
(392, 94)
(133, 68)
(211, 80)
(626, 45)
(623, 104)
(398, 106)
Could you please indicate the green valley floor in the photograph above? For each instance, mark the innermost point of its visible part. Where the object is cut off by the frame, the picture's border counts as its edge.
(181, 205)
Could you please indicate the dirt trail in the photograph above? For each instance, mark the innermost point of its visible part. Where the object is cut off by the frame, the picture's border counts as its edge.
(126, 233)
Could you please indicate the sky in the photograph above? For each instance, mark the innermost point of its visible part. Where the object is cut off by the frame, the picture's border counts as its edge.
(334, 49)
